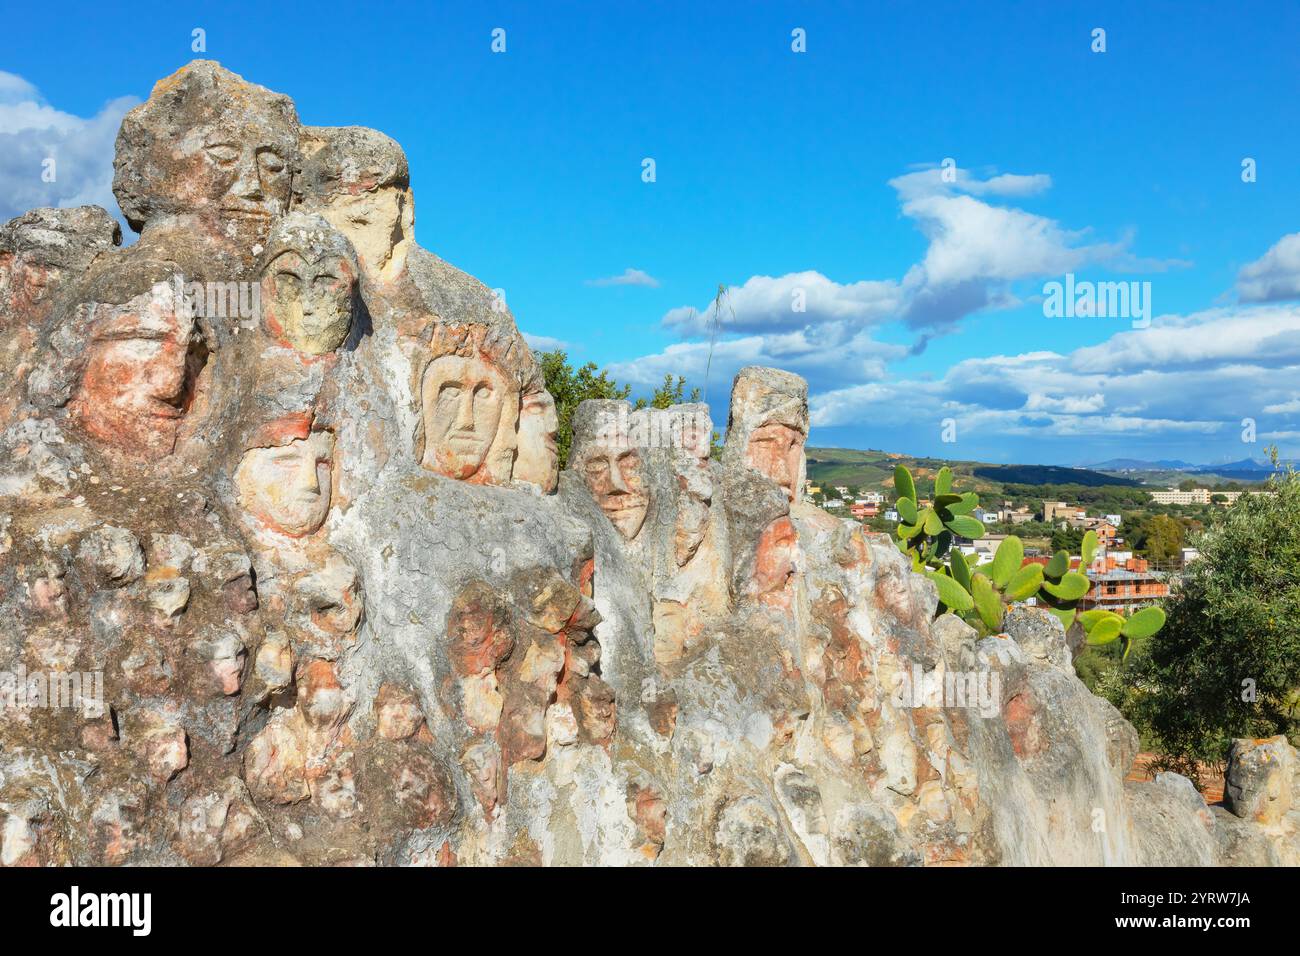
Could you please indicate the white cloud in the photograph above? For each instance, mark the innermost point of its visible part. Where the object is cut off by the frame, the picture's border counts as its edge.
(544, 343)
(629, 277)
(1196, 376)
(32, 131)
(793, 301)
(1274, 275)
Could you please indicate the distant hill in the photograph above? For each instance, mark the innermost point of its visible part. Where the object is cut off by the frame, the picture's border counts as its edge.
(1137, 464)
(873, 470)
(1050, 475)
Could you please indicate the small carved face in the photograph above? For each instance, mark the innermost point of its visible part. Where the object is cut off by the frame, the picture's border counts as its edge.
(775, 450)
(310, 300)
(371, 219)
(539, 456)
(695, 493)
(139, 376)
(242, 174)
(775, 562)
(287, 487)
(463, 402)
(617, 484)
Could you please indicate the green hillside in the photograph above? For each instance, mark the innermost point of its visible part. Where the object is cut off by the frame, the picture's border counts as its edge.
(872, 470)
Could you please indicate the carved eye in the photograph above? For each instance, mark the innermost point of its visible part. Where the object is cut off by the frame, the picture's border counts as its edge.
(270, 161)
(288, 283)
(223, 153)
(324, 283)
(449, 391)
(483, 391)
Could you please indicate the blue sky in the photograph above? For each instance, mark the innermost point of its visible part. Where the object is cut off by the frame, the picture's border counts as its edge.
(780, 173)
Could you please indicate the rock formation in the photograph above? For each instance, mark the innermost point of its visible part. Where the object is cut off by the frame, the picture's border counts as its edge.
(293, 577)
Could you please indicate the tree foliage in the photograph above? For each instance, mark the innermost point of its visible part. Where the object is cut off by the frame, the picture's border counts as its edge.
(1227, 664)
(570, 387)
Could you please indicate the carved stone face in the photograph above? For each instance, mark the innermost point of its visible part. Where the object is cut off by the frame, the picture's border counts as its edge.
(695, 493)
(287, 487)
(234, 172)
(463, 402)
(139, 376)
(539, 457)
(372, 220)
(775, 450)
(619, 487)
(309, 299)
(775, 562)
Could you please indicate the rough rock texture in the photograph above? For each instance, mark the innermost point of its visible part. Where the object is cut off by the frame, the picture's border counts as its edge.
(285, 484)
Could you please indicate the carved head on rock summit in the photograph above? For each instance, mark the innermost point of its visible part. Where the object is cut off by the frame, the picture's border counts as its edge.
(610, 464)
(768, 425)
(207, 143)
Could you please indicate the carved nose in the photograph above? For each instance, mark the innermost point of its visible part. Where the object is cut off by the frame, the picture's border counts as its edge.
(465, 412)
(307, 479)
(616, 481)
(248, 185)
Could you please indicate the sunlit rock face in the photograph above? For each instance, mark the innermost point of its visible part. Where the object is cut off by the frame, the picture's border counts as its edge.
(287, 486)
(333, 603)
(357, 179)
(611, 464)
(468, 407)
(141, 366)
(538, 460)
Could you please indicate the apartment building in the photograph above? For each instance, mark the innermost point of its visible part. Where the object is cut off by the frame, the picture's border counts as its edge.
(1198, 496)
(1125, 591)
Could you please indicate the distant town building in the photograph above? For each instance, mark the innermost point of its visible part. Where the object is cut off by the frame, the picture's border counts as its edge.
(1198, 496)
(1124, 590)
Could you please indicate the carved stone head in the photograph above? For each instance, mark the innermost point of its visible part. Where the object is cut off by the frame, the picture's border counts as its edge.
(769, 424)
(209, 143)
(538, 461)
(358, 179)
(141, 366)
(309, 284)
(607, 457)
(464, 400)
(284, 482)
(40, 247)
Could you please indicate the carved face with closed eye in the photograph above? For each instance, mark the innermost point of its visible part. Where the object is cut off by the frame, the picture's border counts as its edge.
(141, 366)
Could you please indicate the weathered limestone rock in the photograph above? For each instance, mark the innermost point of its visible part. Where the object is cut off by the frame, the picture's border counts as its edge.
(341, 607)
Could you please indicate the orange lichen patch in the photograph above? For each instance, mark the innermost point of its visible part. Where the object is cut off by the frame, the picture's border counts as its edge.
(1023, 725)
(585, 577)
(280, 431)
(774, 563)
(477, 629)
